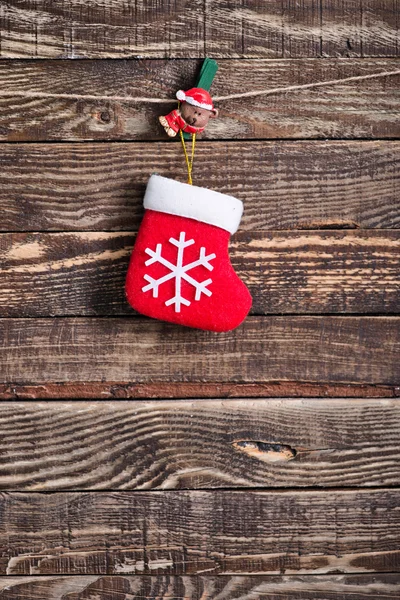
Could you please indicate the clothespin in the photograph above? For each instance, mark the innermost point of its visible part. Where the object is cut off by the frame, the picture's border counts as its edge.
(206, 76)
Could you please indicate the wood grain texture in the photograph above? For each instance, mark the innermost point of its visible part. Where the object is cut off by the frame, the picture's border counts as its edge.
(92, 29)
(218, 532)
(139, 350)
(118, 390)
(363, 109)
(283, 28)
(51, 446)
(384, 586)
(220, 28)
(284, 185)
(69, 214)
(77, 274)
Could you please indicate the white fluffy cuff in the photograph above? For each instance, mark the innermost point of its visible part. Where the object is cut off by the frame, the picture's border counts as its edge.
(184, 200)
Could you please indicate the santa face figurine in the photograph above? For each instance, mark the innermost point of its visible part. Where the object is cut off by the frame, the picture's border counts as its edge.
(193, 114)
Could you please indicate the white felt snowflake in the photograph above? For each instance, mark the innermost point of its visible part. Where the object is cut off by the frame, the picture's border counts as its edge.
(179, 272)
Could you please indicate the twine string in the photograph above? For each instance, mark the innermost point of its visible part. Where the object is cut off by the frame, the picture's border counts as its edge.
(305, 86)
(145, 100)
(189, 161)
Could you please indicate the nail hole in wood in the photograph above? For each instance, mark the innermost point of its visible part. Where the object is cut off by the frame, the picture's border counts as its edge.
(105, 116)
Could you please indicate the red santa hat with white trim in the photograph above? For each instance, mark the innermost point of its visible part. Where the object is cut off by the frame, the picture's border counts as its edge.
(196, 97)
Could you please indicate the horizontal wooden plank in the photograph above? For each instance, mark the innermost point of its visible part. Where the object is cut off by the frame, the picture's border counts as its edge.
(384, 586)
(283, 28)
(284, 185)
(218, 28)
(359, 109)
(84, 273)
(52, 446)
(111, 390)
(217, 532)
(91, 30)
(140, 350)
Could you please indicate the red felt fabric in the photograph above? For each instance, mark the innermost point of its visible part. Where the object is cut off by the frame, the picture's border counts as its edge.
(230, 301)
(176, 122)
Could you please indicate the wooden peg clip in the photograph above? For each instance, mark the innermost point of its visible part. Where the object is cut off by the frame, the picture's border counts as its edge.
(206, 76)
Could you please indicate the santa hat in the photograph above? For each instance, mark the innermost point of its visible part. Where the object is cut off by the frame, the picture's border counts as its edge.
(197, 97)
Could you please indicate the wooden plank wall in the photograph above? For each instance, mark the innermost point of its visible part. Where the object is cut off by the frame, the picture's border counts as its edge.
(140, 460)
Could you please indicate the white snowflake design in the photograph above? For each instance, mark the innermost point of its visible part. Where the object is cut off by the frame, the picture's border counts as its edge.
(179, 272)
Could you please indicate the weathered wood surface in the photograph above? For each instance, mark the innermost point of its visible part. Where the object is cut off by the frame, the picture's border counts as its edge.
(197, 444)
(94, 29)
(123, 390)
(139, 350)
(219, 28)
(77, 274)
(361, 109)
(284, 185)
(218, 532)
(82, 203)
(284, 28)
(385, 586)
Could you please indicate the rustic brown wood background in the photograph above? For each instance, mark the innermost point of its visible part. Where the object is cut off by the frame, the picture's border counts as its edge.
(140, 460)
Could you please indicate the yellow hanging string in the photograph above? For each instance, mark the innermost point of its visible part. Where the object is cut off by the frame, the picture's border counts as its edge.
(189, 162)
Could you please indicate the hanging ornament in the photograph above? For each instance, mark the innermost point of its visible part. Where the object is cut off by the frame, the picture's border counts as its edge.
(180, 269)
(192, 116)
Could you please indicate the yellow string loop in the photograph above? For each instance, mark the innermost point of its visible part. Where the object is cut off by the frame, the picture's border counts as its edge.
(189, 162)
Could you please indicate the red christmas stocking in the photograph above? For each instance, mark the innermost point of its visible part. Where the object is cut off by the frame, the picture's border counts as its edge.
(180, 269)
